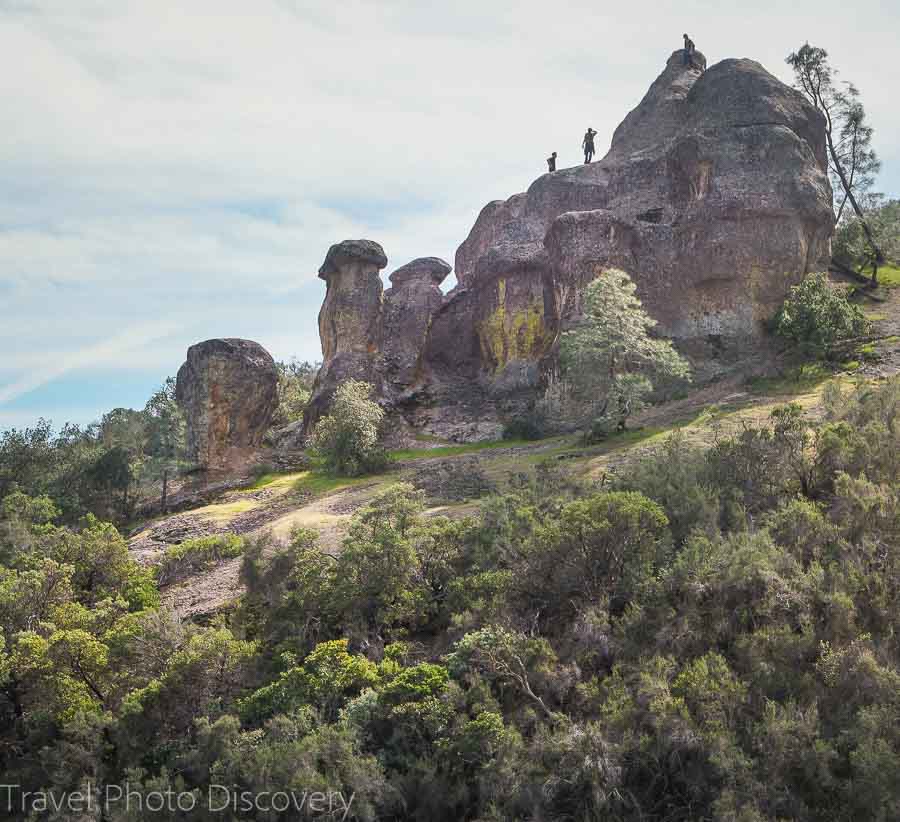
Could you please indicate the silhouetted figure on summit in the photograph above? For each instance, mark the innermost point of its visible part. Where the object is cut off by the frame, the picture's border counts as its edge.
(551, 162)
(688, 50)
(588, 144)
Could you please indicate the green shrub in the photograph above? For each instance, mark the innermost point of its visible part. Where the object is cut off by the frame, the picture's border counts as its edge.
(816, 316)
(603, 547)
(347, 440)
(530, 425)
(675, 475)
(328, 676)
(295, 382)
(195, 555)
(610, 358)
(852, 248)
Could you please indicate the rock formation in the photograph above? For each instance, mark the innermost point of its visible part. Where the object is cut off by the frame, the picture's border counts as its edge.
(409, 305)
(350, 320)
(370, 334)
(228, 390)
(714, 197)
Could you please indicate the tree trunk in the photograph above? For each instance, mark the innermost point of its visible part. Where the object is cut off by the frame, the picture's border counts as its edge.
(852, 176)
(859, 212)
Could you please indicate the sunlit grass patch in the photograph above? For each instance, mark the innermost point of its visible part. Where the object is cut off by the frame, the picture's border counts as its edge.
(867, 352)
(196, 555)
(226, 511)
(889, 276)
(282, 527)
(317, 482)
(420, 437)
(803, 378)
(276, 481)
(452, 450)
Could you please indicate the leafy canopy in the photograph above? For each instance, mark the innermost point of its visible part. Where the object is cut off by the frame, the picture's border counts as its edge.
(347, 440)
(816, 316)
(610, 357)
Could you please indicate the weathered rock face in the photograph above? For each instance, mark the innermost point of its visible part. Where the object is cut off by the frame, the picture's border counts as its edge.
(714, 197)
(350, 321)
(369, 334)
(718, 221)
(228, 389)
(409, 306)
(350, 317)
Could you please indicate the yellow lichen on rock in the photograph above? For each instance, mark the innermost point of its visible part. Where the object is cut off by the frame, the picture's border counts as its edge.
(506, 336)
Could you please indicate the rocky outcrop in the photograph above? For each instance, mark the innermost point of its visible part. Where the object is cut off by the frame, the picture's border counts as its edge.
(350, 317)
(409, 306)
(228, 389)
(350, 321)
(714, 197)
(717, 201)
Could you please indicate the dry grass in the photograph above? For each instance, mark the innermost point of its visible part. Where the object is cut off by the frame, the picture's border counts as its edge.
(224, 512)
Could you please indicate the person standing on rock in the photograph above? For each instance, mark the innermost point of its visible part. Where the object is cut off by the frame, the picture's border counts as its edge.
(551, 162)
(688, 50)
(588, 144)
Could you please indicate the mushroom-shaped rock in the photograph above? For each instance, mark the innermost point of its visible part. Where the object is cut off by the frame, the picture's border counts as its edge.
(350, 321)
(408, 308)
(228, 390)
(425, 268)
(350, 252)
(350, 317)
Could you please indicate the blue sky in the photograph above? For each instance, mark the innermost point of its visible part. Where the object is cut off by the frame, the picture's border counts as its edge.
(174, 171)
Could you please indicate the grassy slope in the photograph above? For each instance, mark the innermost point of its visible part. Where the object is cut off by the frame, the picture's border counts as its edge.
(313, 499)
(889, 276)
(310, 499)
(503, 458)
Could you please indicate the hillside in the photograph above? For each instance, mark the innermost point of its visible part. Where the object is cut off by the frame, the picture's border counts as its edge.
(693, 619)
(280, 502)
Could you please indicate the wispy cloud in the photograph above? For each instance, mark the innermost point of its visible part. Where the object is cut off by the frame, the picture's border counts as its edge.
(111, 349)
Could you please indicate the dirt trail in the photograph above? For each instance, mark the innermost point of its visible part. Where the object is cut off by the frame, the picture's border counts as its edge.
(329, 515)
(885, 356)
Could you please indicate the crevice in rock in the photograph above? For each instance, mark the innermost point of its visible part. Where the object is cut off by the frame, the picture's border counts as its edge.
(651, 215)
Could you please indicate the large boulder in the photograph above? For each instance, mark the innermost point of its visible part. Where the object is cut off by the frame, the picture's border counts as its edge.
(228, 390)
